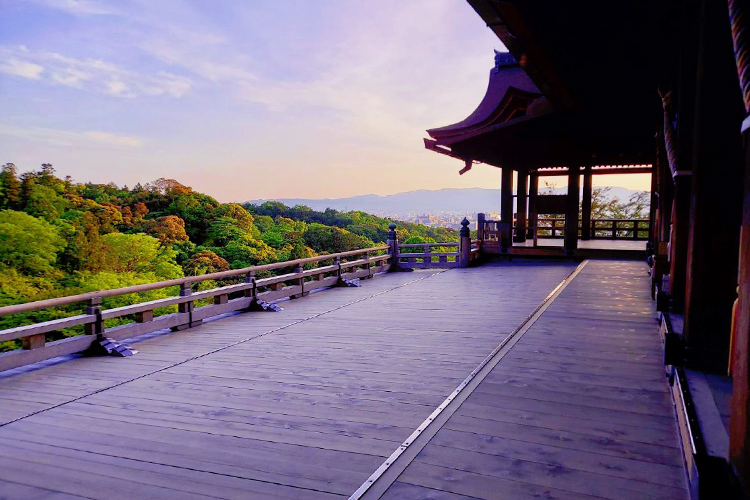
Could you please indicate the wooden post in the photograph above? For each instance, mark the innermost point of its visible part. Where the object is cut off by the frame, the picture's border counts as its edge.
(249, 278)
(186, 308)
(464, 244)
(368, 266)
(300, 282)
(653, 203)
(533, 193)
(94, 307)
(337, 263)
(506, 208)
(392, 246)
(522, 186)
(739, 425)
(480, 227)
(586, 204)
(571, 214)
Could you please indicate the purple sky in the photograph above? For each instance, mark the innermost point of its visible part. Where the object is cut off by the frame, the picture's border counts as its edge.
(242, 100)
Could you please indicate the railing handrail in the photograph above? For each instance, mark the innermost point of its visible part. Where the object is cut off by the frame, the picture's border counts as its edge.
(115, 292)
(425, 245)
(563, 218)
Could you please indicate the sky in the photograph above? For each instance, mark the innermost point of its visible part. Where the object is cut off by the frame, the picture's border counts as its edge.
(244, 100)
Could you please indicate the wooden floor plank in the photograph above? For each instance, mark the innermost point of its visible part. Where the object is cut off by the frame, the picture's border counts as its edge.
(578, 407)
(284, 404)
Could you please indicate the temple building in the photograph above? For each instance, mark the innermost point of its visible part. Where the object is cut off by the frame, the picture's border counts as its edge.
(659, 87)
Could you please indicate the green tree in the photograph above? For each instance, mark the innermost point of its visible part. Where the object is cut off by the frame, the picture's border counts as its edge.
(10, 187)
(205, 262)
(139, 254)
(326, 239)
(28, 244)
(169, 230)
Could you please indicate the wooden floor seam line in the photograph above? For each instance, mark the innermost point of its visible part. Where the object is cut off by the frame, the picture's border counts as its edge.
(385, 475)
(219, 349)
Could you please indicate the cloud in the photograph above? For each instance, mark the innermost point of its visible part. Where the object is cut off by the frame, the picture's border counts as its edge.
(79, 7)
(92, 75)
(67, 138)
(20, 68)
(114, 140)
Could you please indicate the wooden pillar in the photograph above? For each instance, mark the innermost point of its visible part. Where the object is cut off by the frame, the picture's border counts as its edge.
(571, 212)
(739, 425)
(653, 203)
(522, 185)
(716, 201)
(678, 242)
(533, 193)
(586, 204)
(506, 207)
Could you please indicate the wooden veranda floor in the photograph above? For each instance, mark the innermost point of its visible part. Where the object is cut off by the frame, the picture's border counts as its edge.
(309, 402)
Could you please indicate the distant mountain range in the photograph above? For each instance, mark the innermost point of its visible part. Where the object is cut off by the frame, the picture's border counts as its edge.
(424, 201)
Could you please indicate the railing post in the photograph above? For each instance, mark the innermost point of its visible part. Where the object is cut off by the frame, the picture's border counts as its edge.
(368, 266)
(480, 227)
(464, 244)
(635, 229)
(300, 282)
(427, 261)
(94, 307)
(337, 263)
(393, 246)
(186, 290)
(250, 292)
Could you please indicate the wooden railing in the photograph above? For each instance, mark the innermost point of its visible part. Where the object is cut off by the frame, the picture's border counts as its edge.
(493, 230)
(328, 270)
(426, 259)
(620, 229)
(547, 227)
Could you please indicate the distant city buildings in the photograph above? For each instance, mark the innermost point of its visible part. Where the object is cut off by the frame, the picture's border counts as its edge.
(450, 220)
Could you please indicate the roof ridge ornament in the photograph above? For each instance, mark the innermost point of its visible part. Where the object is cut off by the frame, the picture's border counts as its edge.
(504, 60)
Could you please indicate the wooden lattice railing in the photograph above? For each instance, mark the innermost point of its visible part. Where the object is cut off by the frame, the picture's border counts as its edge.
(410, 257)
(548, 227)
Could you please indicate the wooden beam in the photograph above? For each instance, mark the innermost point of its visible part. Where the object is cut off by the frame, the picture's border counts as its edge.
(601, 171)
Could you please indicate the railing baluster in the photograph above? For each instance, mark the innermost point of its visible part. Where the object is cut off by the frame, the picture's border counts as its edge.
(145, 316)
(33, 341)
